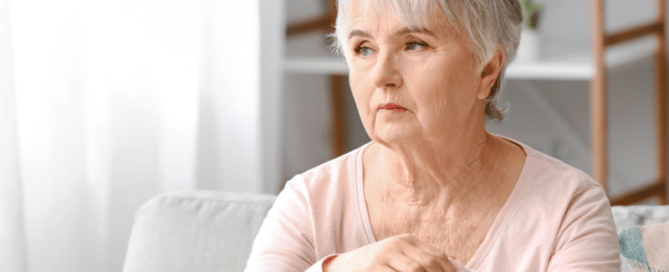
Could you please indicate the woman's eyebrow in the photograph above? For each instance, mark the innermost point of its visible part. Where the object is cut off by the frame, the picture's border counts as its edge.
(413, 29)
(358, 33)
(403, 31)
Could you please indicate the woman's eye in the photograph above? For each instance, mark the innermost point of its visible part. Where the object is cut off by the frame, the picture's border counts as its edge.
(363, 51)
(415, 45)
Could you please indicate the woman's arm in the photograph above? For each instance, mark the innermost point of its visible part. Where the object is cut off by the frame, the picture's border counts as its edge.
(587, 239)
(398, 253)
(285, 241)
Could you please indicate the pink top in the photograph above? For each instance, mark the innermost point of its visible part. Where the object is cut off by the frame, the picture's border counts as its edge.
(557, 218)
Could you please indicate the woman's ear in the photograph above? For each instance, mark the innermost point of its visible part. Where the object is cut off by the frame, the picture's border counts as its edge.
(490, 73)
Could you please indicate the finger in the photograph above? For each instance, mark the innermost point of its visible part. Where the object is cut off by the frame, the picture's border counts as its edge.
(384, 269)
(421, 254)
(456, 265)
(404, 263)
(426, 259)
(428, 248)
(423, 245)
(443, 260)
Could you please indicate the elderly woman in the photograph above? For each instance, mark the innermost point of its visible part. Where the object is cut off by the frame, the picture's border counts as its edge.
(434, 191)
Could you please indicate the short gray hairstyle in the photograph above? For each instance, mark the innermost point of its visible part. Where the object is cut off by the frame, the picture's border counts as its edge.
(489, 25)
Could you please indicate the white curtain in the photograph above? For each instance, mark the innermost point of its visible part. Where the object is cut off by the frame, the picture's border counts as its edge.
(12, 243)
(105, 104)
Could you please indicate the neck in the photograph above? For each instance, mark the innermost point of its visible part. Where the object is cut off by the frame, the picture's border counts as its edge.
(453, 171)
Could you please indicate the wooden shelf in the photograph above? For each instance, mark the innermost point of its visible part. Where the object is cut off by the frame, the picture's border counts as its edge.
(315, 65)
(577, 66)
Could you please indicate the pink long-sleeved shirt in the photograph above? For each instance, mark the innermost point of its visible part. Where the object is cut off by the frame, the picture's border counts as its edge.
(556, 219)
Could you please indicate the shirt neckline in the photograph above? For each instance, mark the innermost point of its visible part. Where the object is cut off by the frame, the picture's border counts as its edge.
(362, 204)
(498, 225)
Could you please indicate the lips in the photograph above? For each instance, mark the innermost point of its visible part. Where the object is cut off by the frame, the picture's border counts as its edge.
(392, 107)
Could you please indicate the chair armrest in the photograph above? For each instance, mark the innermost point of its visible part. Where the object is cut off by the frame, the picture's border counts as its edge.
(195, 231)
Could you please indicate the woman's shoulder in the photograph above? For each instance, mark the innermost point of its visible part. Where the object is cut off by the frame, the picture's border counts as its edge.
(339, 167)
(562, 214)
(545, 173)
(336, 176)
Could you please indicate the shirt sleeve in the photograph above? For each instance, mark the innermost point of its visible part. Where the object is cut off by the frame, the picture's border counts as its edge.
(285, 241)
(587, 239)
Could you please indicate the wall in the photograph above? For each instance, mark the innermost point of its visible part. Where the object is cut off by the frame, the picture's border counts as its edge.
(239, 143)
(306, 133)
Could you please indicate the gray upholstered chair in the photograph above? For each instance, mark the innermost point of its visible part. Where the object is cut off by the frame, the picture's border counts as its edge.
(213, 231)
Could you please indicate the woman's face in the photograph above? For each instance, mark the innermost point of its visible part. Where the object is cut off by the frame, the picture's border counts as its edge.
(413, 84)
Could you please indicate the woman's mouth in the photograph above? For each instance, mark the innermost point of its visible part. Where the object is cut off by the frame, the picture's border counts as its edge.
(392, 107)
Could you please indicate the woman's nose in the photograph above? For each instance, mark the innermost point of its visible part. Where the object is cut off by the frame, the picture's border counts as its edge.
(386, 72)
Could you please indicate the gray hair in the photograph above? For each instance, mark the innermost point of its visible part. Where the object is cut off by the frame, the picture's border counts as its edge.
(489, 25)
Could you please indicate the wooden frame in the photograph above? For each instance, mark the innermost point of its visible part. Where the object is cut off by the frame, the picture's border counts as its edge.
(598, 101)
(324, 23)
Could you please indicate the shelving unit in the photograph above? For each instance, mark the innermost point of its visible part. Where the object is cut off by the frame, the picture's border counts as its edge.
(336, 70)
(598, 99)
(580, 66)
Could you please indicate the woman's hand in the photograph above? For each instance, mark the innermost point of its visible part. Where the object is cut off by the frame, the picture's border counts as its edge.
(403, 253)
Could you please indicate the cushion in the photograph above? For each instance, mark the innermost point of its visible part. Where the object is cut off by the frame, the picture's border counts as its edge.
(643, 235)
(646, 248)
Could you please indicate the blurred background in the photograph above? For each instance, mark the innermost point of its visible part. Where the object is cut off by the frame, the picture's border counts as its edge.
(105, 104)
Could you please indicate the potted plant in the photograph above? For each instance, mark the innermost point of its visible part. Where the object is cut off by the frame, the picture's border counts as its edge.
(531, 14)
(530, 39)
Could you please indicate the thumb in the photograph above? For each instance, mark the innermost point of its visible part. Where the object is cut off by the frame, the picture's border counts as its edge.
(458, 266)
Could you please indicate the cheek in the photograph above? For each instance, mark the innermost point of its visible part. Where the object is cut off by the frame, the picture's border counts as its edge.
(431, 90)
(361, 96)
(442, 94)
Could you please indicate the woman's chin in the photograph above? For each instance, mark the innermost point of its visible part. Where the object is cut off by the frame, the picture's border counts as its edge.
(397, 135)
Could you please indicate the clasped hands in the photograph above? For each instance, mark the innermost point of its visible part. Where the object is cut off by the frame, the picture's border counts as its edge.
(402, 253)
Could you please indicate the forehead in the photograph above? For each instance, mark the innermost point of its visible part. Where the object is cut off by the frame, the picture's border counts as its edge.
(414, 15)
